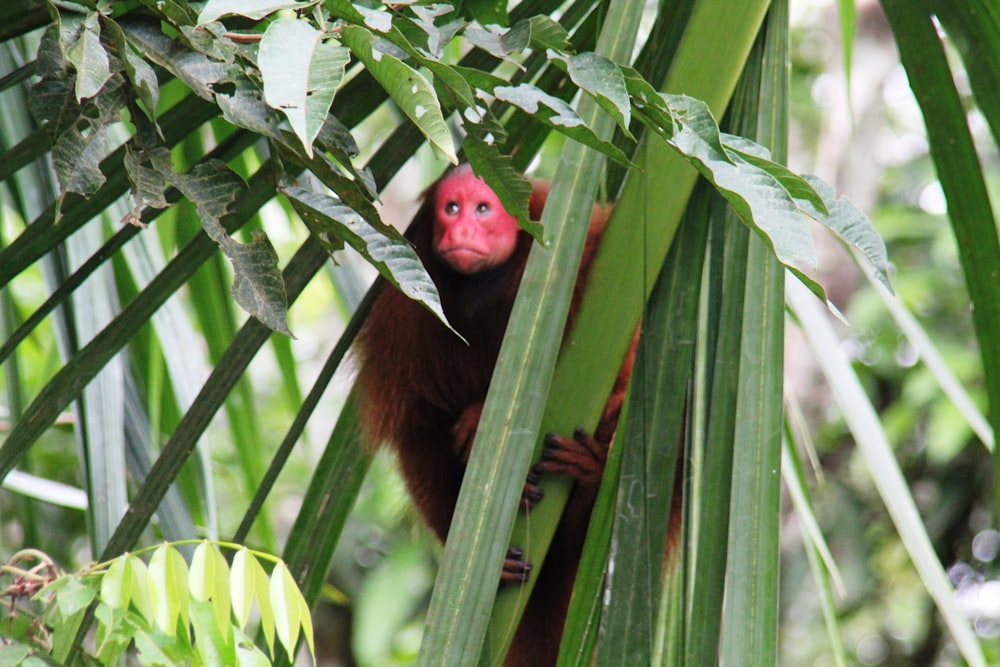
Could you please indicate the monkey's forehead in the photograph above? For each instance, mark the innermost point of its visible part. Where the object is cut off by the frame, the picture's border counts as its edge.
(463, 185)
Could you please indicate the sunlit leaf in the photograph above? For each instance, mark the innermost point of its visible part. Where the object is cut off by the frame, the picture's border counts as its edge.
(142, 595)
(301, 72)
(213, 642)
(500, 42)
(559, 115)
(168, 574)
(252, 9)
(407, 87)
(116, 585)
(602, 79)
(287, 606)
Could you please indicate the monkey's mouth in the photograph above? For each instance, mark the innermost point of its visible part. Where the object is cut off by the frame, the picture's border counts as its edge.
(464, 259)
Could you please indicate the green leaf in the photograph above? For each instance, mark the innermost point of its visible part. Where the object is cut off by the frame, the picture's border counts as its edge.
(142, 596)
(301, 73)
(244, 107)
(196, 70)
(854, 228)
(13, 654)
(116, 585)
(209, 581)
(601, 79)
(247, 653)
(71, 598)
(251, 9)
(800, 188)
(168, 575)
(257, 284)
(512, 189)
(558, 115)
(487, 11)
(757, 197)
(547, 33)
(247, 580)
(215, 644)
(148, 184)
(287, 603)
(140, 74)
(88, 56)
(157, 649)
(113, 634)
(437, 36)
(501, 42)
(406, 86)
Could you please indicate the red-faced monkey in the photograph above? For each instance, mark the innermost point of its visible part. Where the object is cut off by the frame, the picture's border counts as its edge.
(422, 388)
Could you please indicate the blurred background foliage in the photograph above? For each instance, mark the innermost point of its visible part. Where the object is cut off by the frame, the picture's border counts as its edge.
(869, 144)
(872, 145)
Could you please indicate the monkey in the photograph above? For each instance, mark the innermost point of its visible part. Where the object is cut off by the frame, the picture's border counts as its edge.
(421, 388)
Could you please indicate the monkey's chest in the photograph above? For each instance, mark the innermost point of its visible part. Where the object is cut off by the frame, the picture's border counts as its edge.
(460, 375)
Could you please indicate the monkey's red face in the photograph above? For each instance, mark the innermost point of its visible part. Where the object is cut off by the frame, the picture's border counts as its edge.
(472, 231)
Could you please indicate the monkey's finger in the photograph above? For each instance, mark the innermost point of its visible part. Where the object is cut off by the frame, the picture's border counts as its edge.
(580, 457)
(516, 570)
(532, 493)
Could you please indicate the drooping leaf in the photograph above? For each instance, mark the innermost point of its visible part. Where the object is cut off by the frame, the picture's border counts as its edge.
(87, 55)
(547, 33)
(257, 284)
(333, 223)
(757, 196)
(246, 577)
(854, 228)
(251, 9)
(142, 595)
(559, 115)
(286, 601)
(168, 574)
(116, 585)
(501, 42)
(512, 189)
(600, 78)
(797, 186)
(301, 72)
(140, 74)
(209, 582)
(196, 70)
(407, 87)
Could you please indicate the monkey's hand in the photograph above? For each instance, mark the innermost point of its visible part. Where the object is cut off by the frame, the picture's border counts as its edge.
(580, 457)
(463, 435)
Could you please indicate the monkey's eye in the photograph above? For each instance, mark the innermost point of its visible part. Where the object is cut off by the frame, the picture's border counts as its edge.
(451, 208)
(482, 208)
